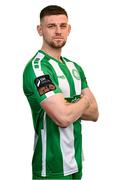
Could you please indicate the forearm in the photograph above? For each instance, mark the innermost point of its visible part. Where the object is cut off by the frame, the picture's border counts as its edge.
(62, 112)
(91, 113)
(75, 110)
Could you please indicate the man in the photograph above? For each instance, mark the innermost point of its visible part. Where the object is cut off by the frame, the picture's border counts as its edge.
(59, 97)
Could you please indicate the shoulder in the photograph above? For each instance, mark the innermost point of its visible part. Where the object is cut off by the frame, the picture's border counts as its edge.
(34, 64)
(73, 62)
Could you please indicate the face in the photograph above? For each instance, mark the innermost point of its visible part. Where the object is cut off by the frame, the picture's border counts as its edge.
(55, 30)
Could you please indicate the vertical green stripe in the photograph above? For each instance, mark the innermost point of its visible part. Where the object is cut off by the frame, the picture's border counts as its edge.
(37, 157)
(54, 161)
(78, 143)
(50, 71)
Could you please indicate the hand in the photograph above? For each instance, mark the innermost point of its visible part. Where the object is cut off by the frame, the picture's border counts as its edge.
(88, 98)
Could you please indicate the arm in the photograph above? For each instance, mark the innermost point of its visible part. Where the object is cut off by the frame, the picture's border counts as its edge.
(91, 113)
(62, 112)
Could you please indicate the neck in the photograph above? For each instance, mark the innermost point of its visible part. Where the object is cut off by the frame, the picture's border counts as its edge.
(56, 53)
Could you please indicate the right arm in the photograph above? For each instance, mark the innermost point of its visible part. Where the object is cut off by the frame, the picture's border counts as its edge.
(49, 96)
(62, 112)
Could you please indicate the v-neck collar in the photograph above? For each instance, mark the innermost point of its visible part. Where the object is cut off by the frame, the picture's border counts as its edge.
(51, 57)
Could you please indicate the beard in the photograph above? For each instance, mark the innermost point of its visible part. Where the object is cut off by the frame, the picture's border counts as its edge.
(56, 44)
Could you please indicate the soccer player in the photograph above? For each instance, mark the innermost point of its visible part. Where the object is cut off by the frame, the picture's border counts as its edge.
(59, 97)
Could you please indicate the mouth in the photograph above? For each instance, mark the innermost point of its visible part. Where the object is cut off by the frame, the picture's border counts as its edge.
(58, 38)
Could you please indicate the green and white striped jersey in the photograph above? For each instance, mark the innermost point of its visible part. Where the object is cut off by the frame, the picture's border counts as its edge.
(57, 151)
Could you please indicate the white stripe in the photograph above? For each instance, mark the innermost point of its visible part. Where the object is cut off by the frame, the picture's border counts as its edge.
(67, 149)
(50, 93)
(63, 83)
(66, 134)
(44, 141)
(35, 140)
(77, 83)
(38, 71)
(83, 157)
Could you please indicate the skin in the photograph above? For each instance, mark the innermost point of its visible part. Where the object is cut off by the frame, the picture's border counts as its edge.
(55, 30)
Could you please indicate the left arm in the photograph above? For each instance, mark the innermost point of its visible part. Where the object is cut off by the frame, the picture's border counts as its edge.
(91, 113)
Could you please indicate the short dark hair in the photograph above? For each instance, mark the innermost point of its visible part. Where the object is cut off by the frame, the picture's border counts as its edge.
(52, 10)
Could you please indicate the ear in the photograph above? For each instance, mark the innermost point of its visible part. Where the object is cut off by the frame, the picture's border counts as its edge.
(39, 29)
(69, 29)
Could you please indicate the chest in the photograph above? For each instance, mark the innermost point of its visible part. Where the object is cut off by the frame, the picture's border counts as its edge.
(68, 78)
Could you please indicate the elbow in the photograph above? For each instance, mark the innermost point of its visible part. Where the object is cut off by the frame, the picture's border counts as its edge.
(61, 118)
(64, 120)
(63, 125)
(95, 117)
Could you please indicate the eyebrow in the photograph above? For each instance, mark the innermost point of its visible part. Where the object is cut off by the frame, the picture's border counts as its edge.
(56, 24)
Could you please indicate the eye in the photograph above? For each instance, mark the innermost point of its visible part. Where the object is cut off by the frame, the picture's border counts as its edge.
(51, 26)
(63, 26)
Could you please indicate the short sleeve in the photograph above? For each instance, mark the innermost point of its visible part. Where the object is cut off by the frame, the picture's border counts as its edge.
(39, 86)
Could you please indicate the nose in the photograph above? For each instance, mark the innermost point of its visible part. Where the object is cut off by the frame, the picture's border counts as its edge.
(58, 30)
